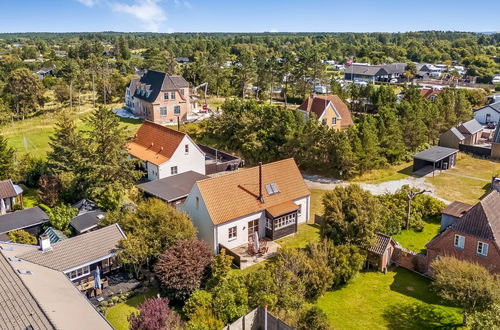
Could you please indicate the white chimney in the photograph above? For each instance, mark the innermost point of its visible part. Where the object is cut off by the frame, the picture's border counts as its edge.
(45, 243)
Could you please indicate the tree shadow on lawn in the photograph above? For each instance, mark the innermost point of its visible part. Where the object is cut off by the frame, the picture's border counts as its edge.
(421, 316)
(487, 190)
(413, 285)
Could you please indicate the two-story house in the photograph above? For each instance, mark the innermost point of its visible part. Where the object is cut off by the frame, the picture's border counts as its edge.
(159, 97)
(270, 200)
(165, 152)
(470, 233)
(329, 109)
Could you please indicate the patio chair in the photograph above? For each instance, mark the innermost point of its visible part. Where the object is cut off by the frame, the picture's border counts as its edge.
(105, 283)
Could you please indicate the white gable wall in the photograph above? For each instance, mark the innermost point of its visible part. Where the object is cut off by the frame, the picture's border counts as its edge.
(480, 115)
(194, 160)
(200, 217)
(241, 224)
(152, 171)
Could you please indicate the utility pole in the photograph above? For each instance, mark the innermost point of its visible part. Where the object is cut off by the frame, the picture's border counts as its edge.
(411, 195)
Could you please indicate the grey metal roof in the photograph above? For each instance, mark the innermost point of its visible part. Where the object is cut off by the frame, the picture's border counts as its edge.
(457, 133)
(495, 106)
(18, 308)
(22, 219)
(78, 250)
(435, 154)
(87, 220)
(471, 127)
(366, 70)
(172, 188)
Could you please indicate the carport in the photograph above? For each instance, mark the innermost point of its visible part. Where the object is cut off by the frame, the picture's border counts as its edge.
(440, 158)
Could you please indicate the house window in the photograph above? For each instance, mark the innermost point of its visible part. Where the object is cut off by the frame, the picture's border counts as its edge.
(163, 111)
(231, 233)
(272, 188)
(177, 109)
(181, 91)
(459, 241)
(173, 170)
(482, 249)
(269, 223)
(285, 221)
(334, 121)
(172, 95)
(197, 202)
(299, 211)
(80, 272)
(165, 95)
(186, 149)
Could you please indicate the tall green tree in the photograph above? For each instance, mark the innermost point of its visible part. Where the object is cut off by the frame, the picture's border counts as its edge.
(6, 159)
(25, 92)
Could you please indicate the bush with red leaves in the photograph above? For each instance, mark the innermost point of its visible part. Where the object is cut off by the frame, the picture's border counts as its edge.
(154, 314)
(183, 267)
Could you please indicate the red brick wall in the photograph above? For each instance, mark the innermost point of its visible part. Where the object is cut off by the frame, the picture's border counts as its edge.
(410, 260)
(444, 246)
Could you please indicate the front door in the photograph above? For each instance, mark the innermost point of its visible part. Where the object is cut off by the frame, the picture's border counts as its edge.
(253, 226)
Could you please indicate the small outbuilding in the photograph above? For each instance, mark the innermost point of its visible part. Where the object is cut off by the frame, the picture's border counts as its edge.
(441, 158)
(379, 255)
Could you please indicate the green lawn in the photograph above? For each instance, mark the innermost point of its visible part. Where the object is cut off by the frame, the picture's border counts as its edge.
(391, 173)
(306, 233)
(415, 240)
(375, 300)
(118, 314)
(29, 197)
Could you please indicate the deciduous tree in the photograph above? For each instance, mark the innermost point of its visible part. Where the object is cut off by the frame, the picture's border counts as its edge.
(155, 314)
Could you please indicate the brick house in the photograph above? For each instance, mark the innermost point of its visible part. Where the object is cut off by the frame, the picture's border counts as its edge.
(159, 97)
(329, 109)
(473, 236)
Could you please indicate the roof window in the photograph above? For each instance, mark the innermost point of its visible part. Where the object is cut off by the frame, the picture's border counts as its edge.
(272, 189)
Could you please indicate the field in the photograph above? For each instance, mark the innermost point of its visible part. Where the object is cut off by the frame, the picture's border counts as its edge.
(118, 314)
(391, 173)
(375, 300)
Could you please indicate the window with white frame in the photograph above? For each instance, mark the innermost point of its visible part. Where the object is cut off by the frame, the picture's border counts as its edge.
(173, 170)
(80, 272)
(232, 233)
(459, 241)
(163, 111)
(482, 248)
(177, 109)
(172, 95)
(285, 221)
(334, 121)
(186, 149)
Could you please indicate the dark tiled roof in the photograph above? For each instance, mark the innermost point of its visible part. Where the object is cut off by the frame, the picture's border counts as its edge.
(87, 220)
(156, 82)
(381, 245)
(7, 189)
(172, 188)
(435, 154)
(18, 308)
(78, 250)
(483, 219)
(84, 206)
(22, 219)
(456, 209)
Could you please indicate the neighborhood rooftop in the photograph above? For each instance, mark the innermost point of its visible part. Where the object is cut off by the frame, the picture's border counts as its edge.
(38, 297)
(435, 154)
(456, 209)
(483, 219)
(156, 82)
(155, 143)
(471, 127)
(7, 189)
(87, 220)
(380, 245)
(236, 194)
(78, 250)
(22, 219)
(172, 188)
(318, 104)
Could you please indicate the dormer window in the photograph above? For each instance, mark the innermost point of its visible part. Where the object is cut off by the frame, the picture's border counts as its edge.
(272, 189)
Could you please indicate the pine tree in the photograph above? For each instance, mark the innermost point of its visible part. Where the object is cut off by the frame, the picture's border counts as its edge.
(370, 157)
(105, 171)
(6, 159)
(66, 144)
(390, 135)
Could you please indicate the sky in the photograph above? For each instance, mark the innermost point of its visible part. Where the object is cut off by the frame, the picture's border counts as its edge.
(248, 16)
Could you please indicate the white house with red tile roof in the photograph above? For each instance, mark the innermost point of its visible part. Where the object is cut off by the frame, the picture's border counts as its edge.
(271, 200)
(165, 152)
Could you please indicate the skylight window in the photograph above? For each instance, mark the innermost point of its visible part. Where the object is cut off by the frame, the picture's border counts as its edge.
(24, 272)
(272, 189)
(14, 259)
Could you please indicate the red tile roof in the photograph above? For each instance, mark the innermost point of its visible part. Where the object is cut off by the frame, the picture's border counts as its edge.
(318, 105)
(233, 195)
(155, 143)
(428, 92)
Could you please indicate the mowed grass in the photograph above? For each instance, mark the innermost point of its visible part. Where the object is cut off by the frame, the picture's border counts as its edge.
(32, 135)
(415, 240)
(374, 300)
(118, 314)
(391, 173)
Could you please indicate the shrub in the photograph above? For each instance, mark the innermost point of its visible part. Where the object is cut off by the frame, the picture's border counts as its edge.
(22, 237)
(313, 318)
(154, 314)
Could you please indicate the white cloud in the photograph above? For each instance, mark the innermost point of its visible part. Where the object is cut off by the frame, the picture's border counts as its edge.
(179, 3)
(149, 12)
(88, 3)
